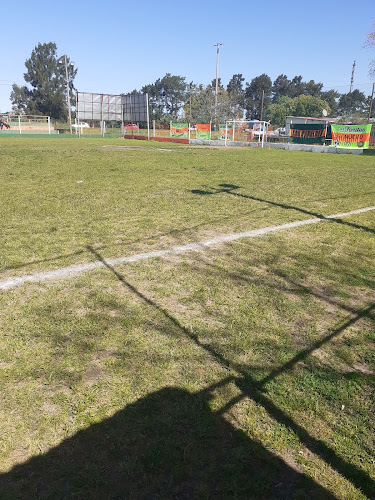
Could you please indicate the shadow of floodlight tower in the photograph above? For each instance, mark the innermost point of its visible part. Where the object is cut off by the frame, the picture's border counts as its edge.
(63, 60)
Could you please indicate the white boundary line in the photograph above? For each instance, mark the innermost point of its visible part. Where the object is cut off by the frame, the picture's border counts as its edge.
(67, 272)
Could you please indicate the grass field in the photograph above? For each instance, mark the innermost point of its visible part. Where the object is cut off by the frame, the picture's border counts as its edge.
(243, 370)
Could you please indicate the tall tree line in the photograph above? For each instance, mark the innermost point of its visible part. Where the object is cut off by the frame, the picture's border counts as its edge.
(173, 98)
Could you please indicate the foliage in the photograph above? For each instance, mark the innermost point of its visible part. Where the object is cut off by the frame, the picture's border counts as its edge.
(203, 105)
(280, 87)
(370, 43)
(331, 97)
(45, 89)
(253, 96)
(303, 105)
(353, 119)
(297, 87)
(236, 93)
(279, 98)
(167, 96)
(200, 107)
(353, 102)
(219, 83)
(278, 112)
(283, 87)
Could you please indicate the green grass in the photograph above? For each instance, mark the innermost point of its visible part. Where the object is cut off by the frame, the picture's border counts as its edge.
(242, 371)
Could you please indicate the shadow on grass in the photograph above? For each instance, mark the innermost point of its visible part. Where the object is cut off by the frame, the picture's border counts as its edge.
(166, 445)
(172, 233)
(291, 286)
(254, 389)
(223, 188)
(232, 188)
(171, 445)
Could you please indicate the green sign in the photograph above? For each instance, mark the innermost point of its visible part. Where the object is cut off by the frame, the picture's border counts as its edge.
(351, 136)
(229, 130)
(203, 135)
(179, 130)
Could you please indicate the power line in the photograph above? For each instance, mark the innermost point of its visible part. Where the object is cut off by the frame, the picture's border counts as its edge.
(341, 86)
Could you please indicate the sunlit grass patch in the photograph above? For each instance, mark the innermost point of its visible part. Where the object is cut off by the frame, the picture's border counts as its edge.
(244, 370)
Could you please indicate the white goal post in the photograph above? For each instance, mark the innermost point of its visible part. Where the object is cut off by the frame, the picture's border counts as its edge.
(26, 124)
(258, 130)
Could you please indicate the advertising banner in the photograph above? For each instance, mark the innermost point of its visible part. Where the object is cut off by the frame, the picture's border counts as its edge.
(351, 136)
(179, 130)
(222, 131)
(204, 131)
(312, 133)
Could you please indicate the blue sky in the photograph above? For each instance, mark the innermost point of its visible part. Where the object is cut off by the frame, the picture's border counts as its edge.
(119, 46)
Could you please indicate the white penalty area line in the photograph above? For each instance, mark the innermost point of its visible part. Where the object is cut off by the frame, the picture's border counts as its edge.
(70, 271)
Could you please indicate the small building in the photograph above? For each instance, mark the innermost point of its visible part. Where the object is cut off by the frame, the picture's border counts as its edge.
(305, 120)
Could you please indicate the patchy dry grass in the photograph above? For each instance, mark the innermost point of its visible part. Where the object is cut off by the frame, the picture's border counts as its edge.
(242, 371)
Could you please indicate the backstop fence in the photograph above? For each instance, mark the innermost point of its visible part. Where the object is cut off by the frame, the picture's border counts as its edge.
(114, 113)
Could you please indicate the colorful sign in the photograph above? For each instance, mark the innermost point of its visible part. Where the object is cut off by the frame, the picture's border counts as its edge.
(180, 130)
(311, 133)
(204, 131)
(229, 129)
(351, 136)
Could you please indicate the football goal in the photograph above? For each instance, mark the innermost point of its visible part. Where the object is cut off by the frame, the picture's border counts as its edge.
(245, 131)
(25, 124)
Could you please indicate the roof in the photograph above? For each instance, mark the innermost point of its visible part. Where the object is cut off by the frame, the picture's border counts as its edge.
(314, 118)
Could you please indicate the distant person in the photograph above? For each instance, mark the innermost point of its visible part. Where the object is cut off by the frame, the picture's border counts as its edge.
(4, 124)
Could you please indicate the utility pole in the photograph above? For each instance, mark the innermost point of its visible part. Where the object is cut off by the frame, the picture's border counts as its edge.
(67, 89)
(372, 98)
(352, 79)
(217, 75)
(261, 109)
(191, 83)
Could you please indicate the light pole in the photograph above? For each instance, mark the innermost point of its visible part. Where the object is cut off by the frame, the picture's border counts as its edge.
(372, 98)
(217, 74)
(63, 60)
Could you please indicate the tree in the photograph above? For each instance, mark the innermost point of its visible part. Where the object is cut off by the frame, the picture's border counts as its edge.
(167, 96)
(306, 105)
(312, 88)
(331, 96)
(370, 43)
(303, 105)
(235, 88)
(253, 96)
(353, 103)
(219, 84)
(45, 89)
(203, 105)
(236, 93)
(280, 87)
(296, 87)
(277, 112)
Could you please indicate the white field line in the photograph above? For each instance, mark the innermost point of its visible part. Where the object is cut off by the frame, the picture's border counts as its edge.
(67, 272)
